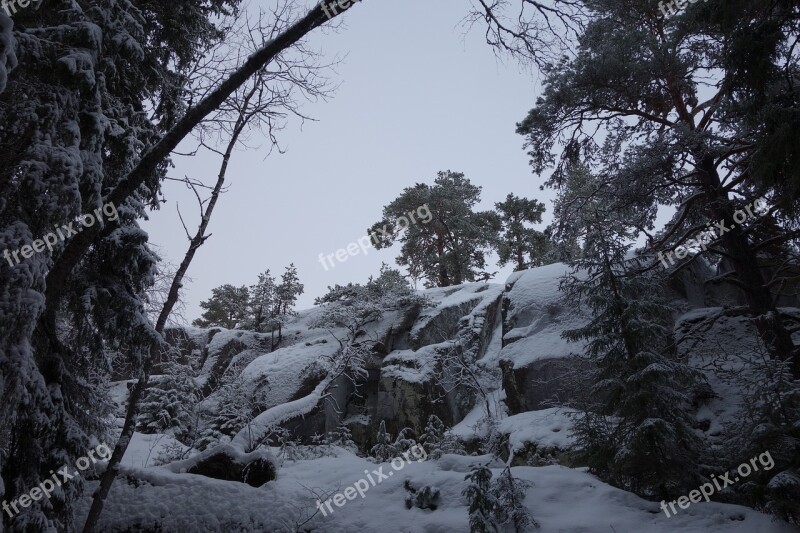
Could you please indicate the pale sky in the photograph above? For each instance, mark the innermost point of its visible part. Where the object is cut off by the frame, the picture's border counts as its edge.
(417, 96)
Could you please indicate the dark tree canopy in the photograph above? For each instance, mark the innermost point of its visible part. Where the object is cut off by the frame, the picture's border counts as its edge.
(449, 247)
(227, 308)
(517, 243)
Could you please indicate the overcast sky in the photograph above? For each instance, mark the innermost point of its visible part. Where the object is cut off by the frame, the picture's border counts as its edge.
(417, 96)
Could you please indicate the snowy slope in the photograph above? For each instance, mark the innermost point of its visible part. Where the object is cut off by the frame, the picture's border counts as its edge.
(560, 499)
(524, 331)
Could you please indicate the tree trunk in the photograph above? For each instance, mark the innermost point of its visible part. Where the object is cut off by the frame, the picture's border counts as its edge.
(771, 329)
(57, 277)
(444, 278)
(520, 259)
(132, 413)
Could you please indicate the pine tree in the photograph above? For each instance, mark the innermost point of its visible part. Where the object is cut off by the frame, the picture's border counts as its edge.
(227, 308)
(449, 241)
(286, 296)
(289, 290)
(709, 148)
(262, 304)
(524, 246)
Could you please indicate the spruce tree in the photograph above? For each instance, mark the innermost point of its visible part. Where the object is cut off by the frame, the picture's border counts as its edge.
(511, 513)
(482, 504)
(636, 431)
(383, 450)
(74, 124)
(93, 99)
(437, 440)
(433, 435)
(404, 442)
(170, 405)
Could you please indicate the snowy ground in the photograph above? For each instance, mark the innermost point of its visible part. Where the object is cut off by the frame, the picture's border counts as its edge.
(561, 499)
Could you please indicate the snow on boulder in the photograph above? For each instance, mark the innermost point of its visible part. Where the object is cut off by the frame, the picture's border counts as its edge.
(230, 464)
(536, 361)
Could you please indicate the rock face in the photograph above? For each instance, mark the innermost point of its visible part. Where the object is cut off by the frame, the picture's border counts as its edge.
(407, 377)
(539, 368)
(512, 333)
(418, 382)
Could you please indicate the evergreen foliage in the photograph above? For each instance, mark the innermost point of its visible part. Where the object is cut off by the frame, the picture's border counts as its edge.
(437, 440)
(384, 450)
(482, 504)
(451, 248)
(86, 89)
(517, 243)
(636, 430)
(227, 308)
(262, 304)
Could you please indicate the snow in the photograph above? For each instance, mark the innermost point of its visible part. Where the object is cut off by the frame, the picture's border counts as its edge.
(536, 285)
(534, 299)
(477, 295)
(143, 450)
(284, 367)
(561, 500)
(417, 366)
(279, 414)
(224, 337)
(197, 336)
(413, 366)
(469, 428)
(549, 428)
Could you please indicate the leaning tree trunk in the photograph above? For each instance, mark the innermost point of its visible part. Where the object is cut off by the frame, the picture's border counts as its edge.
(57, 277)
(137, 393)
